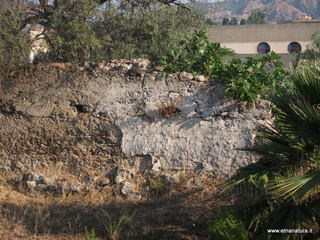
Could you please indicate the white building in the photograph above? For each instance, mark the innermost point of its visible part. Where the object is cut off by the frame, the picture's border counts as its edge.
(282, 39)
(38, 44)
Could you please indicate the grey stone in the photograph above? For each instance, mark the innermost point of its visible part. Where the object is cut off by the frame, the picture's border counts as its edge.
(122, 175)
(225, 114)
(184, 76)
(156, 166)
(129, 191)
(31, 185)
(49, 180)
(102, 181)
(200, 78)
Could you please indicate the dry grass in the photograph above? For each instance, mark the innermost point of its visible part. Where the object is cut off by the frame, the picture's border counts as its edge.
(177, 214)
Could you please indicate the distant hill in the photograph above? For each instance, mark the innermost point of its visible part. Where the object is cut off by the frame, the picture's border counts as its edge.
(310, 7)
(276, 10)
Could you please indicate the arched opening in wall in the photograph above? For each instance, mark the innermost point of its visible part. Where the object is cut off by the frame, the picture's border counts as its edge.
(294, 47)
(263, 48)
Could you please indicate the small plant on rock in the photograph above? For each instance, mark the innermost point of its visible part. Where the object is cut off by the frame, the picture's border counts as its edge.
(157, 186)
(168, 108)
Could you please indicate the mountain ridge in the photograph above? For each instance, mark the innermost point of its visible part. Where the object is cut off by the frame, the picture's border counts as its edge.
(276, 10)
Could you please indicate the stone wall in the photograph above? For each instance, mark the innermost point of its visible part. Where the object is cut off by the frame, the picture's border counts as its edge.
(119, 119)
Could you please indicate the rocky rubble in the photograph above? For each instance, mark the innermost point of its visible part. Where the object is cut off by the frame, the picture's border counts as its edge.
(106, 121)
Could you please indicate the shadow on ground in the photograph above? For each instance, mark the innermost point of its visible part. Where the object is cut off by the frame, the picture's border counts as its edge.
(176, 216)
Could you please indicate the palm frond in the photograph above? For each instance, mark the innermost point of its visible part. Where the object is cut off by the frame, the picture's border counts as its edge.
(300, 119)
(299, 187)
(307, 82)
(257, 174)
(289, 215)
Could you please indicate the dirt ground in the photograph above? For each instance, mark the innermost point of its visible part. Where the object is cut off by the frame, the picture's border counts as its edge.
(177, 214)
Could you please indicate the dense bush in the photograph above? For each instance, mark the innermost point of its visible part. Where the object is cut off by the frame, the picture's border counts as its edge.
(14, 46)
(78, 31)
(245, 80)
(137, 32)
(198, 56)
(70, 34)
(255, 77)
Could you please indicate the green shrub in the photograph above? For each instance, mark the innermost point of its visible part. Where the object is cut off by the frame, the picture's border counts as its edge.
(313, 51)
(138, 32)
(70, 34)
(14, 45)
(245, 80)
(199, 56)
(228, 228)
(255, 77)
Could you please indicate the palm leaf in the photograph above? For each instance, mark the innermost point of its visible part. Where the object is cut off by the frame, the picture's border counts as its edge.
(307, 82)
(299, 187)
(300, 119)
(258, 174)
(289, 215)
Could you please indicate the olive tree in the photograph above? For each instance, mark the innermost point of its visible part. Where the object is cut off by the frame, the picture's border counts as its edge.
(14, 44)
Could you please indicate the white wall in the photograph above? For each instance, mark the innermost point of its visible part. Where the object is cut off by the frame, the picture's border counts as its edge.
(38, 44)
(251, 47)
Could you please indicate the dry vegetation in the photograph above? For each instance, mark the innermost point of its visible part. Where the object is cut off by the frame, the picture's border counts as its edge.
(168, 108)
(179, 213)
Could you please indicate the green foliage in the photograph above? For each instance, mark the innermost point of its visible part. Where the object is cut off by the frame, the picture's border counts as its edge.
(225, 21)
(233, 21)
(14, 46)
(89, 235)
(128, 32)
(80, 30)
(70, 34)
(287, 176)
(257, 18)
(199, 56)
(114, 224)
(255, 77)
(157, 186)
(243, 22)
(313, 51)
(228, 228)
(245, 80)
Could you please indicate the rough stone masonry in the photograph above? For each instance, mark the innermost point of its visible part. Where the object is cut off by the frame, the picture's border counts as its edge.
(106, 119)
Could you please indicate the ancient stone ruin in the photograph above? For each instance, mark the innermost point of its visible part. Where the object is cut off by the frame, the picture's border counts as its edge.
(68, 128)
